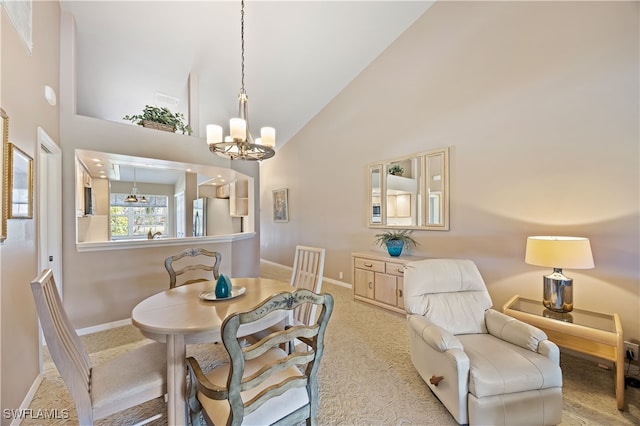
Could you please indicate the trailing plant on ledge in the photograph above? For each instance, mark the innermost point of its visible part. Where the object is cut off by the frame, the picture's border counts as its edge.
(161, 115)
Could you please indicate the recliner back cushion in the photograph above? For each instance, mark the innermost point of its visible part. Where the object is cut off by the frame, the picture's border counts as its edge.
(458, 313)
(450, 292)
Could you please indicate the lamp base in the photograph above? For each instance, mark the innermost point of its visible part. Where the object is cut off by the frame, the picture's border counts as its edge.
(558, 316)
(557, 292)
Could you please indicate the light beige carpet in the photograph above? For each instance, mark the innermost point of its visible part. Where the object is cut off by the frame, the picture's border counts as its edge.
(366, 377)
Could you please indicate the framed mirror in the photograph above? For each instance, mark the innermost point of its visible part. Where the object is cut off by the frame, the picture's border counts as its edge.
(20, 179)
(410, 192)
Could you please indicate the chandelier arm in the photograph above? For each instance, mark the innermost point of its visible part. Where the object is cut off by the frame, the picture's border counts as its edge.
(242, 151)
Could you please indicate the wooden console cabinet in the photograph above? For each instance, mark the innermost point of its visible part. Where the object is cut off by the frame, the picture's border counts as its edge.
(378, 279)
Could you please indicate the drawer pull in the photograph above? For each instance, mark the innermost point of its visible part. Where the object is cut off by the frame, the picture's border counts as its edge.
(400, 270)
(368, 265)
(370, 284)
(399, 293)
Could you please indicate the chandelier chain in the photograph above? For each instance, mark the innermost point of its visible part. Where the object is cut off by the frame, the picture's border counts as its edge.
(242, 42)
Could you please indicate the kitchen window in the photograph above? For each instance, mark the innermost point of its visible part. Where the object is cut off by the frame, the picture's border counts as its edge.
(138, 220)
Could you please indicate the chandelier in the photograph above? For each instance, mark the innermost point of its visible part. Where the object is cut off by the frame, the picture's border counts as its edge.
(240, 143)
(133, 197)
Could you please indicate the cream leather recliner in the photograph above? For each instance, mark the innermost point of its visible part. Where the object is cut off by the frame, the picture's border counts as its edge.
(487, 368)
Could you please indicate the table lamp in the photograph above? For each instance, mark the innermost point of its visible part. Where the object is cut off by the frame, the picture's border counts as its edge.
(558, 253)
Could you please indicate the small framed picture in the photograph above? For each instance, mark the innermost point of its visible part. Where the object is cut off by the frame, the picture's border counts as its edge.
(280, 205)
(20, 183)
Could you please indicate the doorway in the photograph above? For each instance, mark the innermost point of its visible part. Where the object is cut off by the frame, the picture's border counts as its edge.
(49, 223)
(50, 206)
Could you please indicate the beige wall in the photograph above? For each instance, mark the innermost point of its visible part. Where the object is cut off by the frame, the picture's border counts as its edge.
(539, 104)
(24, 76)
(104, 286)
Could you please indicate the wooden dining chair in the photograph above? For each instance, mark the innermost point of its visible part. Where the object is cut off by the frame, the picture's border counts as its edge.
(261, 383)
(199, 271)
(308, 267)
(130, 379)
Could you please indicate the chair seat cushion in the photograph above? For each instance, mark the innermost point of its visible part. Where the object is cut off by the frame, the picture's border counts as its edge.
(129, 379)
(273, 409)
(498, 367)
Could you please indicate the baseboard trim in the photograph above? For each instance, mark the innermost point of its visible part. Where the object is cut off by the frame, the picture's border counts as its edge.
(290, 269)
(103, 327)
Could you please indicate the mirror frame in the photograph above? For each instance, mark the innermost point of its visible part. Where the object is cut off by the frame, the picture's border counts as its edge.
(377, 208)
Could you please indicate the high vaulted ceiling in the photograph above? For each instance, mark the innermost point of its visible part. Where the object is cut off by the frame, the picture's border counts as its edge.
(298, 56)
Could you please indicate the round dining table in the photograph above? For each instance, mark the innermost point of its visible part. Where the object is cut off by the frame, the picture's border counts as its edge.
(183, 315)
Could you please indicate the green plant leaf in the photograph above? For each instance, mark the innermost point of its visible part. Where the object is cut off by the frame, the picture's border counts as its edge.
(403, 235)
(160, 115)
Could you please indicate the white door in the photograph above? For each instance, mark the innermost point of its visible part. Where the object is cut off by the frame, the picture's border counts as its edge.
(50, 206)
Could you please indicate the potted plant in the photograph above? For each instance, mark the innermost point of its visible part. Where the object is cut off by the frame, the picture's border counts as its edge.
(396, 170)
(160, 118)
(396, 240)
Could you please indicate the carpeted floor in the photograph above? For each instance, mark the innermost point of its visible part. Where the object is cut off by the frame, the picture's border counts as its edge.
(366, 376)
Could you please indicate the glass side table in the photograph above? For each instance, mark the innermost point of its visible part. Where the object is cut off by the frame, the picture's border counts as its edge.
(593, 333)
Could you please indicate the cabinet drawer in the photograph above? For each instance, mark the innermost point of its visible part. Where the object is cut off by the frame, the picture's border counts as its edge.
(396, 269)
(371, 265)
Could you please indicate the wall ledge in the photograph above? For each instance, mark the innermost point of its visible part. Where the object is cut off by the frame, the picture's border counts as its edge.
(162, 242)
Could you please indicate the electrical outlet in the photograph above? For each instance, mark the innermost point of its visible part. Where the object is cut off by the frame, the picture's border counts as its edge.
(631, 351)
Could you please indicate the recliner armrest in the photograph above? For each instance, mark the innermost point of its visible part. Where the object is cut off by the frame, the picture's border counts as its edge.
(550, 350)
(514, 331)
(435, 336)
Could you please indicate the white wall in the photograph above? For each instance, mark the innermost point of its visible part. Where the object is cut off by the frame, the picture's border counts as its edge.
(539, 104)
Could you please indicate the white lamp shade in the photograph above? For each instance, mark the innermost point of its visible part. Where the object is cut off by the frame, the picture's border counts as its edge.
(268, 136)
(238, 128)
(214, 133)
(559, 252)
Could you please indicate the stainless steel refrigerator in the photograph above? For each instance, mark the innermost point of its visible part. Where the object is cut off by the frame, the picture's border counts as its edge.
(211, 217)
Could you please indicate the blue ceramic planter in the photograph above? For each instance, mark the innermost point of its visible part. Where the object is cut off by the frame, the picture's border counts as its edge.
(223, 287)
(394, 247)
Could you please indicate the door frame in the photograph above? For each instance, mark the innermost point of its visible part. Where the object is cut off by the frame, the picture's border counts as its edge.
(50, 206)
(49, 218)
